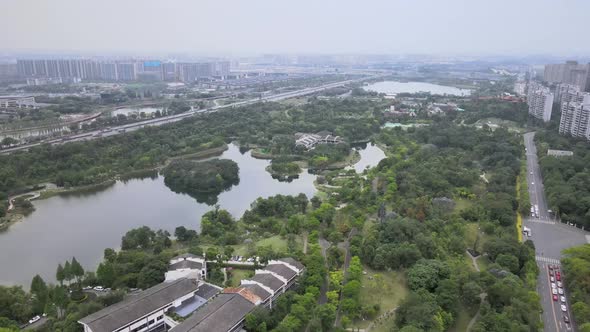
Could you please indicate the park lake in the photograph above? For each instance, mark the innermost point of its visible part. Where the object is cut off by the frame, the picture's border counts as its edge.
(393, 87)
(84, 224)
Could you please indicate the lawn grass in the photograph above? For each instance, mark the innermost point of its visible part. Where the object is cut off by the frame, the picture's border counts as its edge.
(237, 275)
(483, 262)
(462, 204)
(388, 294)
(276, 242)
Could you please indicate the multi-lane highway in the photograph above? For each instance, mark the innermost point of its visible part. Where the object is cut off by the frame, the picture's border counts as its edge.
(177, 117)
(550, 238)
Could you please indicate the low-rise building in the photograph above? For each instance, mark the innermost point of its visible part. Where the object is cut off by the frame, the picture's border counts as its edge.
(205, 306)
(227, 311)
(145, 311)
(17, 102)
(559, 153)
(186, 266)
(309, 141)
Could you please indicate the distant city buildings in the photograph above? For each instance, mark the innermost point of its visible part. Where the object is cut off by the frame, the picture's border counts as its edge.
(570, 73)
(540, 101)
(66, 70)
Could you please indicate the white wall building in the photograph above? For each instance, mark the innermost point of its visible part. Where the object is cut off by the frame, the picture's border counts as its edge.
(143, 312)
(575, 119)
(187, 266)
(540, 101)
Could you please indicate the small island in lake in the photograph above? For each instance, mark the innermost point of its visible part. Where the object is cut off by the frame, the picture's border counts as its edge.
(284, 170)
(203, 180)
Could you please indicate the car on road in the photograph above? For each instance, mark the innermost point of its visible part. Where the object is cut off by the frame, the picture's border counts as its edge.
(562, 299)
(98, 288)
(560, 291)
(559, 284)
(566, 319)
(555, 298)
(553, 285)
(34, 319)
(550, 272)
(532, 183)
(550, 266)
(563, 308)
(554, 291)
(558, 276)
(552, 279)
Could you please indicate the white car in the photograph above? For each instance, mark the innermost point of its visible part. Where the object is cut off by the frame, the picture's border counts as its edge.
(532, 183)
(559, 284)
(560, 291)
(34, 319)
(554, 291)
(562, 299)
(563, 308)
(553, 285)
(98, 288)
(552, 279)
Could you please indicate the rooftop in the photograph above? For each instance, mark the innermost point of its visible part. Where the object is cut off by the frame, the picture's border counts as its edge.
(293, 262)
(220, 314)
(281, 270)
(258, 291)
(207, 290)
(185, 264)
(268, 280)
(131, 309)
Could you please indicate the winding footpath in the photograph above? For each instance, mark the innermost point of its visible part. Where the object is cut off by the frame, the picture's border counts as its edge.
(482, 295)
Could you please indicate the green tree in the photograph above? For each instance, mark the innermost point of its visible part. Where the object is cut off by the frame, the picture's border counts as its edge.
(106, 274)
(60, 275)
(509, 262)
(68, 271)
(77, 270)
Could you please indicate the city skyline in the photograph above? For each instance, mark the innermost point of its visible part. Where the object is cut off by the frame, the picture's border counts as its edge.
(456, 27)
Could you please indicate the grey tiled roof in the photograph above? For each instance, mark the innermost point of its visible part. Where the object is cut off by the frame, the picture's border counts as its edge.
(281, 270)
(185, 264)
(207, 291)
(293, 262)
(218, 315)
(131, 309)
(258, 291)
(268, 280)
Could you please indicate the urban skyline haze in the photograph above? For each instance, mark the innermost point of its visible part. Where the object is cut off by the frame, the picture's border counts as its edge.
(224, 27)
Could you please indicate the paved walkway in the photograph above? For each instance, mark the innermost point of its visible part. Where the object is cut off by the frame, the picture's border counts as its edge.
(482, 295)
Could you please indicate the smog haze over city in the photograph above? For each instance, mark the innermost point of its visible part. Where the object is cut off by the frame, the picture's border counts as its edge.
(227, 27)
(294, 166)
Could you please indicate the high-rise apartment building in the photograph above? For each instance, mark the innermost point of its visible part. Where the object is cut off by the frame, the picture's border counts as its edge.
(570, 72)
(575, 119)
(540, 101)
(126, 72)
(119, 70)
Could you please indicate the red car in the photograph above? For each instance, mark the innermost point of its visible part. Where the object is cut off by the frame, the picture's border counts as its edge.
(558, 276)
(555, 298)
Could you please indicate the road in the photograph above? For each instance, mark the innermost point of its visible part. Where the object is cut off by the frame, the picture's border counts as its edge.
(177, 117)
(550, 238)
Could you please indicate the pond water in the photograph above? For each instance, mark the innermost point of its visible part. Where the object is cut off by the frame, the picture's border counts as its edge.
(84, 224)
(371, 155)
(393, 87)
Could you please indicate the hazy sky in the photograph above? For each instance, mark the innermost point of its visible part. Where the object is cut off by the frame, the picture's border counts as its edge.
(237, 27)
